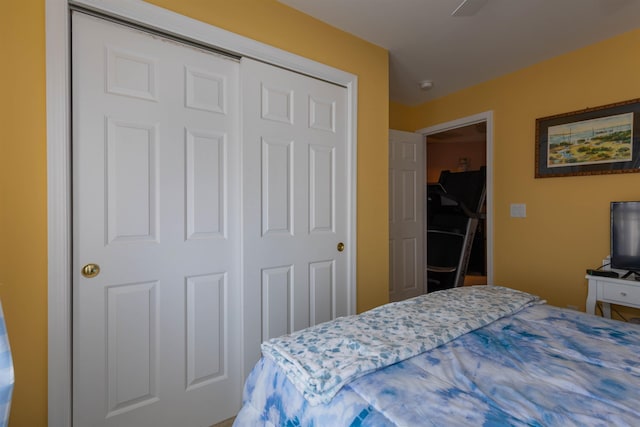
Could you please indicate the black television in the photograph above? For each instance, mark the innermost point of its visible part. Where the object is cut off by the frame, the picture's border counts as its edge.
(625, 236)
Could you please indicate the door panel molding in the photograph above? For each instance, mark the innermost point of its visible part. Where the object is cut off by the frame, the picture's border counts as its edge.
(58, 92)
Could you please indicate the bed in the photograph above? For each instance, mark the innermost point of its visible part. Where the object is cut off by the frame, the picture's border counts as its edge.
(481, 355)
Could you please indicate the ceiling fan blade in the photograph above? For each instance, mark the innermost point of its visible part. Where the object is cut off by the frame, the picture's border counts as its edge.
(469, 7)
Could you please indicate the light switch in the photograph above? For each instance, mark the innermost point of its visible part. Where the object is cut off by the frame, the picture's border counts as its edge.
(518, 210)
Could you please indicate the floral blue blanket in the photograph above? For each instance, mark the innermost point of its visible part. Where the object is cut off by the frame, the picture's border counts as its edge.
(320, 360)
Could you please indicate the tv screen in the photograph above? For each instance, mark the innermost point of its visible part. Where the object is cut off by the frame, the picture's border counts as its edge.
(625, 235)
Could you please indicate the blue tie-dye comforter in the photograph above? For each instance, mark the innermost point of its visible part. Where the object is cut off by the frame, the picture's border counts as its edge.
(542, 366)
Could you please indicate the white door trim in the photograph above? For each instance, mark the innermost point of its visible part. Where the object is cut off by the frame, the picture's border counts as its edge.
(58, 91)
(58, 106)
(487, 117)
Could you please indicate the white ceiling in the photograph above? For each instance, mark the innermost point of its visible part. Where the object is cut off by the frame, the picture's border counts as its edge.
(426, 43)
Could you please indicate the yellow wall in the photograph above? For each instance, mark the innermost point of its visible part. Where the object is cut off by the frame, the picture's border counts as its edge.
(23, 235)
(23, 220)
(566, 229)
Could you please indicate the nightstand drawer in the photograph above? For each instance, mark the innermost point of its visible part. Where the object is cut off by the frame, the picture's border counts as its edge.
(623, 294)
(612, 290)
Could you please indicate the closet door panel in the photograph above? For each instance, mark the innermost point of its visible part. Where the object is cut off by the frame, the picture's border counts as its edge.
(156, 184)
(294, 200)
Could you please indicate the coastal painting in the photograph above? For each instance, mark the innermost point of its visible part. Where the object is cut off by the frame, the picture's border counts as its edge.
(593, 141)
(601, 140)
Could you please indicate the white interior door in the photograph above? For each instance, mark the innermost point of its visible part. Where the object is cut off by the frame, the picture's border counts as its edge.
(155, 205)
(294, 203)
(406, 214)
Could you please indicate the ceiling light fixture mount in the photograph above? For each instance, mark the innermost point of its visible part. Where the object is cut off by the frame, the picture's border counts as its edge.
(426, 84)
(469, 7)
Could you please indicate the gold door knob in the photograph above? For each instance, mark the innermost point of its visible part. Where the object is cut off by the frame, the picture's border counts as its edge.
(340, 247)
(90, 270)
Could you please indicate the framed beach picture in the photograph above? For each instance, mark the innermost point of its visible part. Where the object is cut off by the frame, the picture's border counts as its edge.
(588, 142)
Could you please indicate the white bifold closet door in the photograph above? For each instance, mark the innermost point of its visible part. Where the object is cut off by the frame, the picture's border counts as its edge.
(214, 226)
(156, 195)
(295, 203)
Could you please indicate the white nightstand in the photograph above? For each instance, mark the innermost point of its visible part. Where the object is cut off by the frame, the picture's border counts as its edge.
(612, 291)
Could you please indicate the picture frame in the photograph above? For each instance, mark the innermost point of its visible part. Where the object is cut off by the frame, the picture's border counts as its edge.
(593, 141)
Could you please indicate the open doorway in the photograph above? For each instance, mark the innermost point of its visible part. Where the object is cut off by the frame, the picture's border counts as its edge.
(462, 149)
(465, 144)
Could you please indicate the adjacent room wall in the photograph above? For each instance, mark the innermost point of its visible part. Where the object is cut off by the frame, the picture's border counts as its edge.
(567, 225)
(23, 216)
(446, 156)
